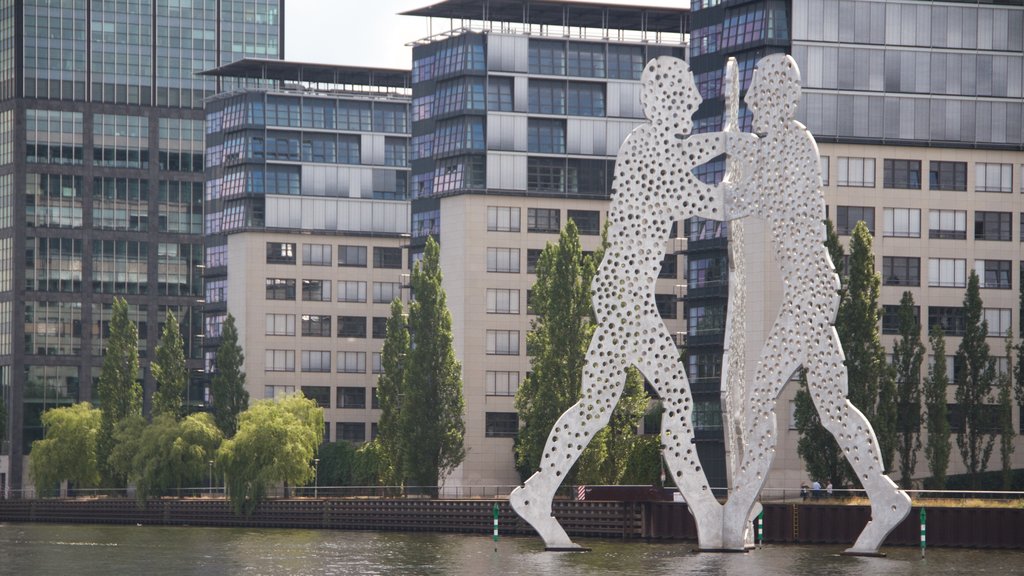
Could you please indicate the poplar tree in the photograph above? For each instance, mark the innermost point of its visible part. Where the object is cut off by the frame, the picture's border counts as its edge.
(227, 387)
(907, 357)
(974, 384)
(857, 323)
(393, 358)
(1006, 432)
(119, 389)
(169, 371)
(938, 446)
(432, 405)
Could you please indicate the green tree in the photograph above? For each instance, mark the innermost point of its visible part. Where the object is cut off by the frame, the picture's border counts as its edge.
(393, 358)
(127, 443)
(227, 387)
(169, 371)
(907, 357)
(558, 340)
(1006, 432)
(174, 453)
(823, 459)
(119, 390)
(68, 451)
(337, 463)
(432, 405)
(275, 443)
(3, 418)
(371, 467)
(857, 324)
(974, 384)
(938, 447)
(621, 437)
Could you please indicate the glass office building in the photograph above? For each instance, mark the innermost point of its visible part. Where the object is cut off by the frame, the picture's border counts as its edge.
(101, 184)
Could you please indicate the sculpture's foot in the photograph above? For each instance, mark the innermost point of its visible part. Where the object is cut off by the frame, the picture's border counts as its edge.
(888, 509)
(535, 508)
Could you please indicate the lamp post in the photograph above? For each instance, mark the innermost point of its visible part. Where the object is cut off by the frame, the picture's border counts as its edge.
(316, 477)
(211, 478)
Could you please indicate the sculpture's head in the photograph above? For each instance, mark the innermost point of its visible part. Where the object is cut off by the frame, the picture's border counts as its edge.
(774, 91)
(669, 94)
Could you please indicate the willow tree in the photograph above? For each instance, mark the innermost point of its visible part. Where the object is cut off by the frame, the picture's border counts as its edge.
(119, 389)
(68, 451)
(170, 371)
(907, 357)
(227, 387)
(937, 448)
(974, 384)
(432, 405)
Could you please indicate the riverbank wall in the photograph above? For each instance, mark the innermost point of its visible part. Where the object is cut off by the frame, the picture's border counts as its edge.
(797, 523)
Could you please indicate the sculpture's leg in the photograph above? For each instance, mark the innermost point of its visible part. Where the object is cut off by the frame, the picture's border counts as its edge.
(663, 369)
(780, 358)
(603, 378)
(856, 438)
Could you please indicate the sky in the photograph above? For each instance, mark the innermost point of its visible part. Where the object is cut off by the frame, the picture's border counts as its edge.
(370, 32)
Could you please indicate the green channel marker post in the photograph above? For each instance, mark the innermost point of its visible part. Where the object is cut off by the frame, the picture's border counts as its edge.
(495, 526)
(760, 529)
(923, 515)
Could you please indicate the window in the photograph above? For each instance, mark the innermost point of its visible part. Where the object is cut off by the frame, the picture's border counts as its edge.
(998, 320)
(666, 304)
(546, 220)
(947, 224)
(587, 221)
(704, 320)
(993, 177)
(279, 361)
(502, 383)
(586, 59)
(280, 253)
(316, 361)
(949, 319)
(546, 57)
(891, 318)
(625, 62)
(503, 342)
(545, 175)
(499, 94)
(669, 266)
(904, 174)
(352, 256)
(824, 170)
(848, 216)
(351, 326)
(856, 172)
(947, 272)
(902, 223)
(316, 254)
(280, 289)
(993, 273)
(354, 432)
(546, 97)
(901, 271)
(280, 325)
(706, 272)
(387, 257)
(316, 325)
(503, 260)
(386, 292)
(319, 394)
(502, 425)
(586, 99)
(704, 367)
(993, 226)
(545, 136)
(316, 290)
(502, 219)
(380, 326)
(502, 301)
(532, 256)
(352, 362)
(351, 397)
(375, 357)
(947, 176)
(351, 291)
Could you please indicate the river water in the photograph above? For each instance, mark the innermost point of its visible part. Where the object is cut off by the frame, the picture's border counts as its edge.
(53, 549)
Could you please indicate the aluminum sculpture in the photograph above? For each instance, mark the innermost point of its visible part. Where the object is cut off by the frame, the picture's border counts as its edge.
(775, 178)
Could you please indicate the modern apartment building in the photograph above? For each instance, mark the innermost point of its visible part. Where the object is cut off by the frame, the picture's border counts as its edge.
(917, 110)
(307, 220)
(518, 112)
(101, 183)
